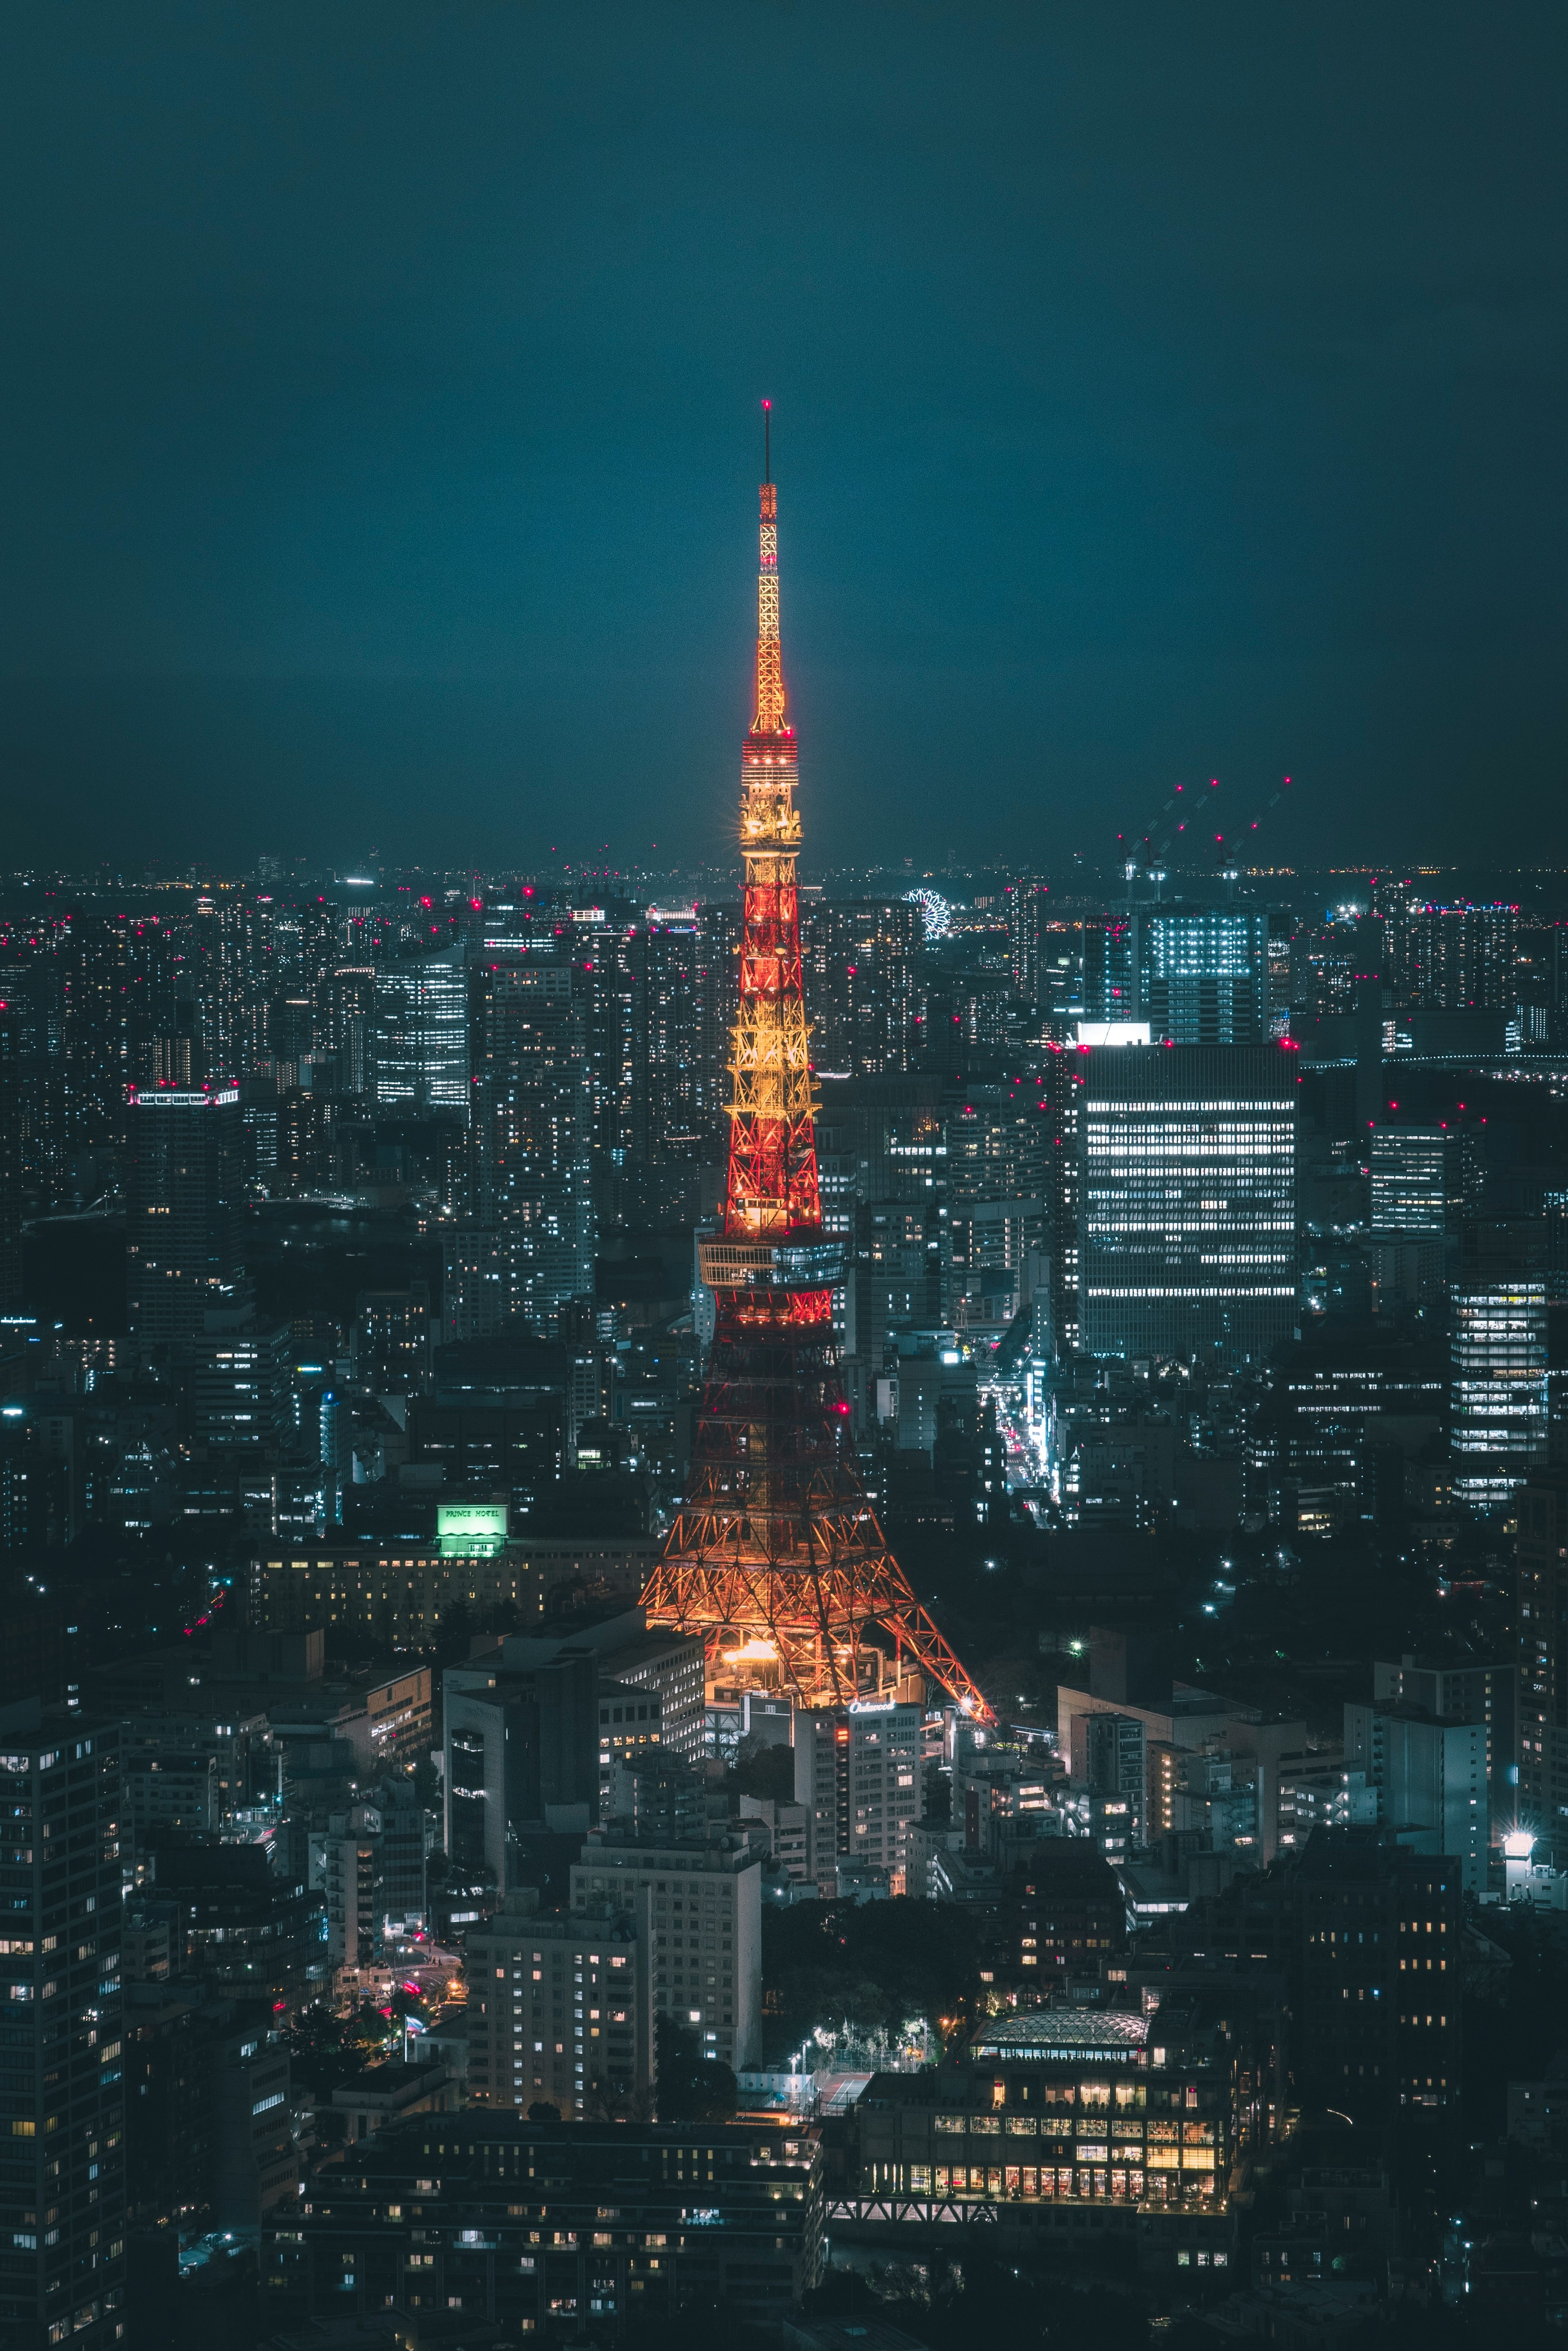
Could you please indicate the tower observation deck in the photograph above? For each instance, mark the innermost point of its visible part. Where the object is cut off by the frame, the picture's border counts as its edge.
(777, 1558)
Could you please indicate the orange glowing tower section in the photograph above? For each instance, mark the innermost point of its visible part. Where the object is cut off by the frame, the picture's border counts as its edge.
(777, 1558)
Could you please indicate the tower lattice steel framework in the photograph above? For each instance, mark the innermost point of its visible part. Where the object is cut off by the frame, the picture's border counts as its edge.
(777, 1558)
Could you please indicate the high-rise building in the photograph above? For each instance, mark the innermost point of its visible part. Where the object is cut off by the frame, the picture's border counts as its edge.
(858, 1773)
(1028, 939)
(704, 1910)
(1187, 1202)
(184, 1205)
(562, 2006)
(116, 989)
(1429, 1775)
(1342, 1401)
(62, 2178)
(346, 1026)
(1499, 1400)
(862, 967)
(421, 1050)
(666, 957)
(521, 1744)
(1458, 958)
(1109, 1759)
(604, 983)
(1415, 1178)
(14, 1105)
(1327, 962)
(390, 1343)
(1197, 975)
(371, 1865)
(240, 1389)
(1378, 1996)
(534, 1133)
(1541, 1549)
(776, 1557)
(1204, 975)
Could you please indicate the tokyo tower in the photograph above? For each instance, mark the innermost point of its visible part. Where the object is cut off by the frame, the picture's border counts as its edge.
(777, 1559)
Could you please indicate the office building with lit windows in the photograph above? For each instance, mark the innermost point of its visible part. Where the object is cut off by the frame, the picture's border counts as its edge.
(1414, 1178)
(1110, 2126)
(1542, 1550)
(858, 1773)
(1204, 975)
(488, 2227)
(184, 1200)
(534, 1243)
(421, 1049)
(1187, 1202)
(1458, 958)
(704, 1935)
(62, 2172)
(1197, 975)
(560, 2006)
(1499, 1409)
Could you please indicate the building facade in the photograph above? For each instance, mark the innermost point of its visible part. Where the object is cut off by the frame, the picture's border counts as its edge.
(62, 2176)
(704, 1912)
(1187, 1202)
(564, 2008)
(184, 1197)
(619, 2225)
(420, 1052)
(858, 1773)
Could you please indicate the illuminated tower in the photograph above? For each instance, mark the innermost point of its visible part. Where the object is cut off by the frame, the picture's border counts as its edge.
(777, 1559)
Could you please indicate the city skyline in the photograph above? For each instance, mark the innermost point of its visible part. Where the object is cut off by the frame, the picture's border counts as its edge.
(788, 1565)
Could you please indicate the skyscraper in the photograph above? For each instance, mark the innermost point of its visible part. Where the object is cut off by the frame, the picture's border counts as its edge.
(858, 1773)
(1028, 910)
(862, 961)
(1187, 1202)
(1204, 975)
(421, 1034)
(62, 2176)
(1498, 1405)
(13, 1153)
(666, 957)
(1458, 958)
(184, 1206)
(533, 1133)
(604, 985)
(776, 1557)
(1197, 975)
(1542, 1503)
(1415, 1172)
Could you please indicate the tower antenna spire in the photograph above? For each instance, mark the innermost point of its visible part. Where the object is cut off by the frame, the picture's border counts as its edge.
(776, 1557)
(767, 440)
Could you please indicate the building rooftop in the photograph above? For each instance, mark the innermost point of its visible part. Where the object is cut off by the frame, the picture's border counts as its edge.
(1063, 2032)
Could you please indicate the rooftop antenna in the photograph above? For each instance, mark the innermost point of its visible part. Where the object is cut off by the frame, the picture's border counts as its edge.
(767, 440)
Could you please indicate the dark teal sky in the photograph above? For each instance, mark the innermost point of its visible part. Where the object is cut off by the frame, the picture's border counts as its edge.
(1160, 392)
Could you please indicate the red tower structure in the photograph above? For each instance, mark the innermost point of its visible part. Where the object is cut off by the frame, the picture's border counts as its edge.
(777, 1558)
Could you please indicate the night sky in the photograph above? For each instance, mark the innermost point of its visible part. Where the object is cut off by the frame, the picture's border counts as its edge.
(1162, 392)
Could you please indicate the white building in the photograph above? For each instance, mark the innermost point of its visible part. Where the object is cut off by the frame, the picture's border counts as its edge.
(705, 1929)
(858, 1773)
